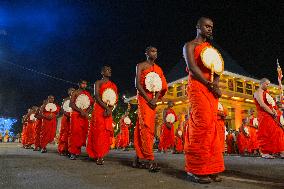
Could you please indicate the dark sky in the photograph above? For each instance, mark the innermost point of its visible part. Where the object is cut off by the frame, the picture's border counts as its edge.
(73, 39)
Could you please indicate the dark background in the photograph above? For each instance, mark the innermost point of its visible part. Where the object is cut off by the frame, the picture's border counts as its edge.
(72, 40)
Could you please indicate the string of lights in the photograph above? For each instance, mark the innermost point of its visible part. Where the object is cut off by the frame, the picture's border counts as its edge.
(38, 72)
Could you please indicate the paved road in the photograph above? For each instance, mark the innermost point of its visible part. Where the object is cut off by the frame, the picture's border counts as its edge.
(21, 168)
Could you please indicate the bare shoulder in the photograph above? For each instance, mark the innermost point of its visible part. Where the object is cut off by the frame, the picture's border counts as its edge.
(141, 65)
(257, 93)
(190, 44)
(98, 83)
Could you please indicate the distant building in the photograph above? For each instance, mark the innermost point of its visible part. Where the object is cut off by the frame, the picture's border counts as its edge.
(235, 83)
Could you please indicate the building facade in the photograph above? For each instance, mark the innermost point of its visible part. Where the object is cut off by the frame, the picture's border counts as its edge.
(237, 97)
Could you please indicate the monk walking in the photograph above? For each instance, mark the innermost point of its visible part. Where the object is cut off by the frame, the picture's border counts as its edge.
(221, 115)
(65, 125)
(101, 130)
(151, 85)
(178, 147)
(38, 125)
(167, 138)
(243, 138)
(125, 123)
(47, 134)
(270, 134)
(81, 103)
(253, 129)
(24, 130)
(203, 149)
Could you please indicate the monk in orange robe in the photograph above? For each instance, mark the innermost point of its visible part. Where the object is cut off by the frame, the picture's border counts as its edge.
(178, 148)
(81, 103)
(253, 129)
(221, 115)
(48, 129)
(38, 126)
(31, 125)
(101, 130)
(167, 137)
(243, 138)
(270, 134)
(147, 95)
(230, 143)
(24, 130)
(28, 130)
(203, 149)
(65, 125)
(124, 131)
(118, 141)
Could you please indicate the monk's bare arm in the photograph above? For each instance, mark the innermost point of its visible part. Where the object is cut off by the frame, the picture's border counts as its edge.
(259, 97)
(188, 53)
(138, 85)
(97, 94)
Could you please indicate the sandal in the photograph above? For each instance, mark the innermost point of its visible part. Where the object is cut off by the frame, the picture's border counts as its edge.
(154, 168)
(215, 178)
(100, 161)
(198, 179)
(267, 156)
(43, 150)
(139, 165)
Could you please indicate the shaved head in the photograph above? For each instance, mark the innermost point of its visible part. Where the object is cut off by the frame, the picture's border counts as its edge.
(263, 80)
(202, 20)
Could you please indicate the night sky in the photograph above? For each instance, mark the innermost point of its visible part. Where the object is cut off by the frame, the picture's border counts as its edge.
(72, 40)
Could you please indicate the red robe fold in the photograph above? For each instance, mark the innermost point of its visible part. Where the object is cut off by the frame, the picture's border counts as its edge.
(101, 130)
(64, 134)
(48, 129)
(167, 138)
(221, 128)
(145, 124)
(178, 142)
(254, 144)
(24, 134)
(243, 141)
(30, 132)
(230, 144)
(124, 133)
(79, 126)
(270, 134)
(203, 149)
(118, 141)
(38, 126)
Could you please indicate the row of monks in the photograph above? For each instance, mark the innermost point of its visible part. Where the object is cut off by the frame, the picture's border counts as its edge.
(204, 134)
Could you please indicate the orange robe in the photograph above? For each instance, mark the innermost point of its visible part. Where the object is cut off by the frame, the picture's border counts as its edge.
(101, 130)
(79, 126)
(145, 124)
(178, 142)
(167, 138)
(203, 149)
(230, 144)
(221, 129)
(64, 134)
(24, 134)
(254, 144)
(124, 133)
(30, 128)
(243, 141)
(48, 129)
(118, 140)
(270, 134)
(38, 125)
